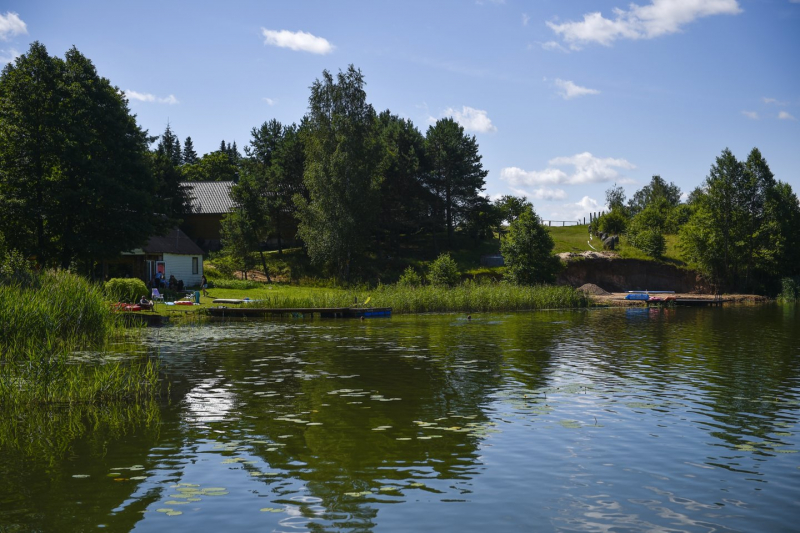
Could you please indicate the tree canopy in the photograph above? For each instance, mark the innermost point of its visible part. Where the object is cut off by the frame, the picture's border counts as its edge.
(75, 183)
(342, 173)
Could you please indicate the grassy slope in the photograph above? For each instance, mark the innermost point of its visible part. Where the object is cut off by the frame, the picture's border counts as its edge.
(575, 239)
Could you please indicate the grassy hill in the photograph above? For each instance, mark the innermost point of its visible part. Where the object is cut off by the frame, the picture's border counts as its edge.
(575, 239)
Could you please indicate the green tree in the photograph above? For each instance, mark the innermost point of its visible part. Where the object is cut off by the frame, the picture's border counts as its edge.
(214, 166)
(75, 184)
(511, 207)
(742, 232)
(615, 198)
(342, 172)
(527, 250)
(189, 155)
(403, 196)
(456, 175)
(275, 163)
(647, 195)
(239, 239)
(170, 146)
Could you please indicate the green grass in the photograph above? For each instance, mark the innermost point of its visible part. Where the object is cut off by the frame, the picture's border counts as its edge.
(575, 239)
(572, 239)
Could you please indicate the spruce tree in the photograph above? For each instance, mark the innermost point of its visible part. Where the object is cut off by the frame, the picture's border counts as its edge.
(189, 155)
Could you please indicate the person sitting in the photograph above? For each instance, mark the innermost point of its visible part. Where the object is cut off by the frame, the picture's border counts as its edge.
(180, 285)
(173, 283)
(144, 303)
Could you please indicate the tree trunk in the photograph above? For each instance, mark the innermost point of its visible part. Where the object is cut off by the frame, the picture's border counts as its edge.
(264, 264)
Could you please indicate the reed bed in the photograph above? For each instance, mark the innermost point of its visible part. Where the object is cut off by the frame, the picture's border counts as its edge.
(467, 297)
(42, 323)
(59, 310)
(51, 378)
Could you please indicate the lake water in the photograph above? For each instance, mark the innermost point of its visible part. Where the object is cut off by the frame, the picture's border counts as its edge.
(592, 420)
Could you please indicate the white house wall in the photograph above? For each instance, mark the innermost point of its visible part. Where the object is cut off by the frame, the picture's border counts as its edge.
(180, 266)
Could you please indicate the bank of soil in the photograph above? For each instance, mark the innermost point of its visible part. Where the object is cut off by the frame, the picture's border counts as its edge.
(607, 278)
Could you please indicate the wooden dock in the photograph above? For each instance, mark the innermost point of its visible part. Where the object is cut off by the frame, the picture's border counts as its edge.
(324, 312)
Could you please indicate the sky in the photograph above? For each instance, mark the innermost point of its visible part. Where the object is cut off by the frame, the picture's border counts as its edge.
(565, 99)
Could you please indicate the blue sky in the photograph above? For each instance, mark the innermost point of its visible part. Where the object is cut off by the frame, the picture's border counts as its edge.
(564, 98)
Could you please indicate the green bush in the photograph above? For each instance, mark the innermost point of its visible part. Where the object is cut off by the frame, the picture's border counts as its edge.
(613, 223)
(410, 278)
(444, 271)
(528, 251)
(125, 289)
(650, 241)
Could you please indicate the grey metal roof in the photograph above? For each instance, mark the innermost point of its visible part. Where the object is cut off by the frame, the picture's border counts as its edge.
(210, 197)
(174, 242)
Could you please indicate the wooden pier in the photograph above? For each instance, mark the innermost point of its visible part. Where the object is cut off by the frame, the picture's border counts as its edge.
(324, 312)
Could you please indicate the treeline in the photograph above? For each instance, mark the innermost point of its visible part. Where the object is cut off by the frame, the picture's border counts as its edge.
(740, 227)
(348, 181)
(78, 182)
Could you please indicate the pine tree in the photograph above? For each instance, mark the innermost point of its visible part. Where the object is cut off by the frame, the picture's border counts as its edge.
(189, 155)
(170, 146)
(456, 174)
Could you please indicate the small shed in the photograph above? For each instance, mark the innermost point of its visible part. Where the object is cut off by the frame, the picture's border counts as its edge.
(173, 254)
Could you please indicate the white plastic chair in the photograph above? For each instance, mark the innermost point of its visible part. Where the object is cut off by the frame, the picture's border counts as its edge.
(156, 296)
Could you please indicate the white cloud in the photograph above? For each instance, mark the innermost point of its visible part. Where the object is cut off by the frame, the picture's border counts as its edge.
(783, 115)
(11, 25)
(525, 19)
(270, 101)
(542, 193)
(568, 89)
(475, 120)
(661, 17)
(147, 97)
(7, 56)
(774, 100)
(586, 169)
(553, 45)
(750, 114)
(299, 40)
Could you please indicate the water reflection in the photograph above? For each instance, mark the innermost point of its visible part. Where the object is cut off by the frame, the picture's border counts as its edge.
(675, 419)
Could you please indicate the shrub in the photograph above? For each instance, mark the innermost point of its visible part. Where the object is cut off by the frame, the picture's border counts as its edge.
(528, 250)
(650, 241)
(410, 278)
(444, 271)
(613, 223)
(125, 289)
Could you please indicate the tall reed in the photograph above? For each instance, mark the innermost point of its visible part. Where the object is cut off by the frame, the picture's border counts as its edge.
(60, 310)
(467, 297)
(42, 323)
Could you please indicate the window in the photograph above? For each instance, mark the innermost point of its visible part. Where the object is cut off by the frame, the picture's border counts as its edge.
(194, 265)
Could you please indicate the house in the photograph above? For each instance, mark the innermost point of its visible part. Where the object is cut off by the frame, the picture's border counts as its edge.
(173, 254)
(210, 201)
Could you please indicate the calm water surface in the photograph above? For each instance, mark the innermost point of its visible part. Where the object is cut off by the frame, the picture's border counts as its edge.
(600, 420)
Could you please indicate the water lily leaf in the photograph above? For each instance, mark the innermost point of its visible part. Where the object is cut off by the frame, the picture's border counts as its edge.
(138, 478)
(80, 476)
(175, 502)
(164, 510)
(174, 513)
(271, 510)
